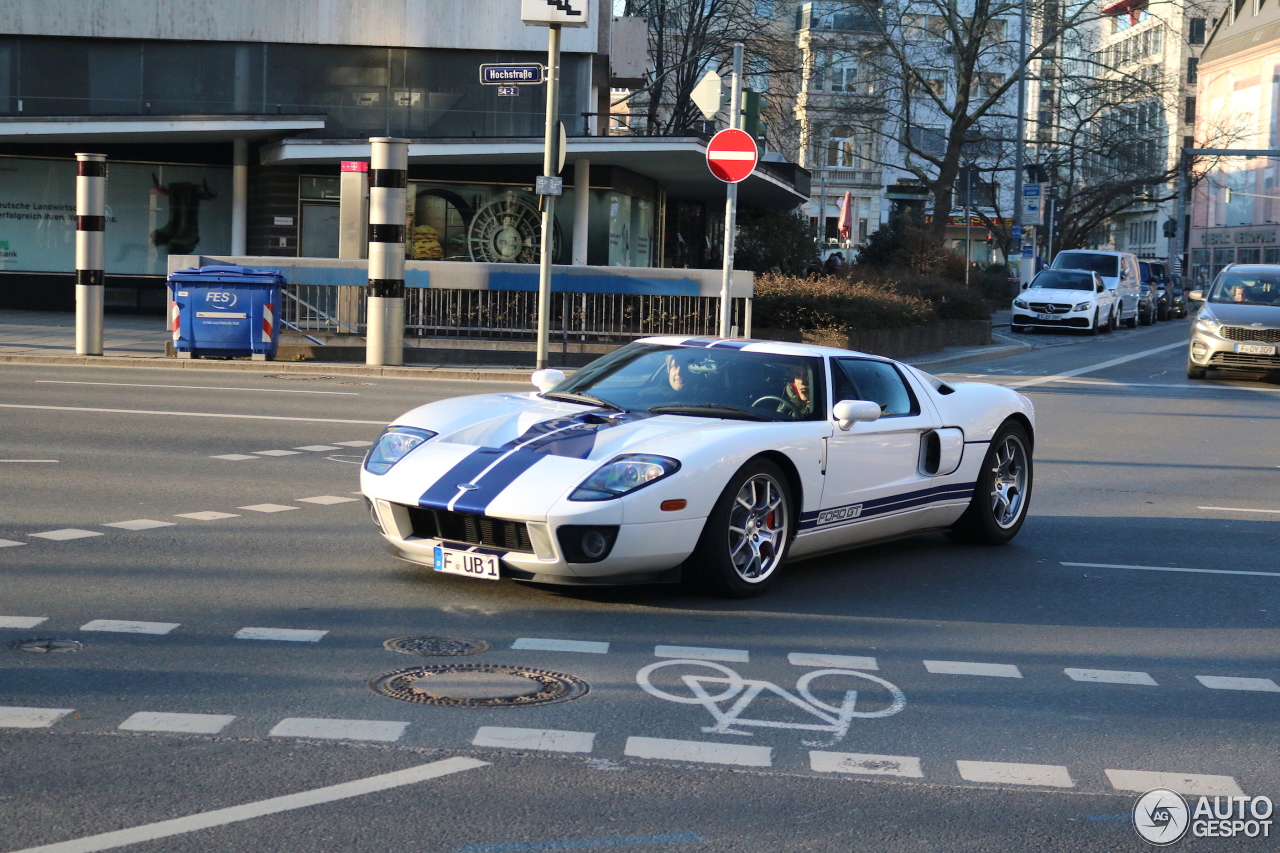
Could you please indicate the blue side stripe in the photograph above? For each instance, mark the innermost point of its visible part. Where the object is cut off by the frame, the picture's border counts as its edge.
(896, 503)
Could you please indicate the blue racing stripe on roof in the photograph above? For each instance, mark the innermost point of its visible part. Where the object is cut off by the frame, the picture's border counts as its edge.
(729, 344)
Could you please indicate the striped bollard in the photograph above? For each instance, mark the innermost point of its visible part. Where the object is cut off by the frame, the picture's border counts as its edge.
(91, 206)
(388, 180)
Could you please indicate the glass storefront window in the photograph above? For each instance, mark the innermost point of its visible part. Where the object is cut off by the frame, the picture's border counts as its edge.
(1221, 257)
(1248, 256)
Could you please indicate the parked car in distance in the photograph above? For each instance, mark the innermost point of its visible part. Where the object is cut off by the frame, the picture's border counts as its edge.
(1118, 270)
(1177, 297)
(1239, 325)
(1147, 304)
(1065, 299)
(1152, 274)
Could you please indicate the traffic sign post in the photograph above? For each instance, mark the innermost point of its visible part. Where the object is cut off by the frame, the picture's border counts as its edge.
(731, 157)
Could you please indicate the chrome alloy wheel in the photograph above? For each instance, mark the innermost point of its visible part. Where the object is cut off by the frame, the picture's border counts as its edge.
(758, 528)
(1009, 482)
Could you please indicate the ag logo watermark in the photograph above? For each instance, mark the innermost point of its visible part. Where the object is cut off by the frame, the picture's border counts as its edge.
(1163, 817)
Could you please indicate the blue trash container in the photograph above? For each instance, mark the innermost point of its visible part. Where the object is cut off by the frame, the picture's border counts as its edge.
(226, 311)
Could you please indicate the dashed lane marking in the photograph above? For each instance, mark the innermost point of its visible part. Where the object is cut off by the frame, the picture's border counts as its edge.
(699, 653)
(267, 508)
(836, 661)
(66, 534)
(140, 524)
(198, 387)
(955, 667)
(700, 751)
(206, 516)
(275, 805)
(277, 453)
(539, 644)
(1239, 509)
(197, 724)
(288, 635)
(549, 740)
(235, 457)
(1004, 773)
(21, 621)
(31, 718)
(1183, 783)
(872, 765)
(196, 415)
(1110, 676)
(1171, 569)
(360, 443)
(1227, 682)
(306, 727)
(120, 626)
(326, 500)
(9, 543)
(317, 448)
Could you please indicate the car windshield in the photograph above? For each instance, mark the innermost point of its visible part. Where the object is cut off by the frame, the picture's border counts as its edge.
(1091, 261)
(721, 382)
(1066, 280)
(1261, 287)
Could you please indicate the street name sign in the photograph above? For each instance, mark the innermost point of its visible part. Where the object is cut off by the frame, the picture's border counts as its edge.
(732, 155)
(525, 74)
(564, 13)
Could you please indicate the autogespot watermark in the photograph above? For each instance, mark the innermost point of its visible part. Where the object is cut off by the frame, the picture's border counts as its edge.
(1163, 817)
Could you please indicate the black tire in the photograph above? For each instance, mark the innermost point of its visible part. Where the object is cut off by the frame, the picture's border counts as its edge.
(979, 524)
(1194, 372)
(1132, 322)
(1093, 330)
(713, 564)
(1111, 323)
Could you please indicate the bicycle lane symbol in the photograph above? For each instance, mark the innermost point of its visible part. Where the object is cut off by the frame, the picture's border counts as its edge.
(741, 692)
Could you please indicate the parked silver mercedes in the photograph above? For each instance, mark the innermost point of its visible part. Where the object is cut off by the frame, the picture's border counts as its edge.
(1239, 326)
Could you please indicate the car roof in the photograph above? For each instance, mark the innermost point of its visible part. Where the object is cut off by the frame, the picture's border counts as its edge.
(752, 345)
(1093, 252)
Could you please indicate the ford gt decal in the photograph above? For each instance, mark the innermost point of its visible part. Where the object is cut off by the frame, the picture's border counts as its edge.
(840, 515)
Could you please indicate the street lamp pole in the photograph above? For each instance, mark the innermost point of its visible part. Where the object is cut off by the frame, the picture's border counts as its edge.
(550, 162)
(1019, 154)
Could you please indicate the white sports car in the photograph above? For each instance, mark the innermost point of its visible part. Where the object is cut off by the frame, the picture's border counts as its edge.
(712, 460)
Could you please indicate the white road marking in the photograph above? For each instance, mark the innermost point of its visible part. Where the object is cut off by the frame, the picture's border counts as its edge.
(21, 621)
(837, 661)
(956, 667)
(235, 457)
(1004, 773)
(873, 765)
(277, 453)
(30, 460)
(698, 653)
(317, 448)
(196, 387)
(702, 751)
(9, 543)
(326, 500)
(206, 516)
(288, 635)
(382, 730)
(1173, 569)
(1182, 783)
(193, 415)
(1110, 676)
(140, 524)
(126, 627)
(267, 508)
(1209, 386)
(31, 718)
(355, 443)
(1093, 368)
(539, 644)
(275, 805)
(1227, 682)
(65, 534)
(543, 739)
(198, 724)
(1238, 509)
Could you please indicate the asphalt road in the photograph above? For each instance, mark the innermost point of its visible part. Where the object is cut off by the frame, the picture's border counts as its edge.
(1139, 472)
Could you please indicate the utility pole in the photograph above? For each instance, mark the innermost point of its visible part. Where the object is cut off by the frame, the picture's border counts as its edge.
(1019, 146)
(731, 201)
(550, 158)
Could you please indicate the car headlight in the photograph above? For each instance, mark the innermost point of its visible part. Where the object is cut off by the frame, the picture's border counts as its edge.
(1018, 303)
(1207, 324)
(393, 445)
(622, 475)
(1083, 306)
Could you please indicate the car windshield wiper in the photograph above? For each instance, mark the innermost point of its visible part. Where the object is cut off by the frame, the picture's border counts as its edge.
(711, 410)
(582, 398)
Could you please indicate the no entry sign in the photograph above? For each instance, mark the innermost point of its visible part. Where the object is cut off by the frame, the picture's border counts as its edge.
(732, 155)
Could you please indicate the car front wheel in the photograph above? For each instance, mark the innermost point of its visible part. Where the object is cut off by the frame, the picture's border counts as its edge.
(745, 540)
(1002, 492)
(1195, 372)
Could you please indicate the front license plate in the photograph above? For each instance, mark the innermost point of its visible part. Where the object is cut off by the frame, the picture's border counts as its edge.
(469, 563)
(1255, 349)
(1052, 317)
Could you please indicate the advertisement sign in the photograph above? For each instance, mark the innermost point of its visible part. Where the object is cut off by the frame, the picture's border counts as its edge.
(1033, 204)
(153, 210)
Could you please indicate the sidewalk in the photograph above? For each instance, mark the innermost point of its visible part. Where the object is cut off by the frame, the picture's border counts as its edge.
(46, 337)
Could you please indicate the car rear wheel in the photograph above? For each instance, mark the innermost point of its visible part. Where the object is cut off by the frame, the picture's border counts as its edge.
(746, 537)
(1002, 493)
(1132, 322)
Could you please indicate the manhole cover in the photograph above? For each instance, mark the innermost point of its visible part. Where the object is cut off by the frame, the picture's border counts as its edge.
(436, 646)
(479, 686)
(46, 644)
(297, 377)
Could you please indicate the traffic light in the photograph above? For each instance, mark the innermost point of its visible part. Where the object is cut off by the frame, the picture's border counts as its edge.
(1036, 174)
(751, 112)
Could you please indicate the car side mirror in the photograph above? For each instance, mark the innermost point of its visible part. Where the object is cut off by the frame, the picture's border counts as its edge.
(547, 378)
(1196, 296)
(1025, 285)
(849, 412)
(1102, 288)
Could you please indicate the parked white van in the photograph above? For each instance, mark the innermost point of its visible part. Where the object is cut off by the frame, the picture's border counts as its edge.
(1118, 270)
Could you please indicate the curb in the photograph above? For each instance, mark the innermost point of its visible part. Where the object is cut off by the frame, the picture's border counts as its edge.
(972, 357)
(451, 373)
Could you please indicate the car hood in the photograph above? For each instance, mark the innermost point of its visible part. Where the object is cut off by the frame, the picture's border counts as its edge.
(1230, 314)
(1049, 294)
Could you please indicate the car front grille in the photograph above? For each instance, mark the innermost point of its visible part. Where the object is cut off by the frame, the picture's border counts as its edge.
(1245, 361)
(1240, 333)
(470, 529)
(1050, 308)
(1066, 322)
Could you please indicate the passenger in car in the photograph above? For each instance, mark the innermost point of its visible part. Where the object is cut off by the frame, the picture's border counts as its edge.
(798, 390)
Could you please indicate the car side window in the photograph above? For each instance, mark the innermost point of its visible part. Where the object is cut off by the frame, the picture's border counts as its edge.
(878, 382)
